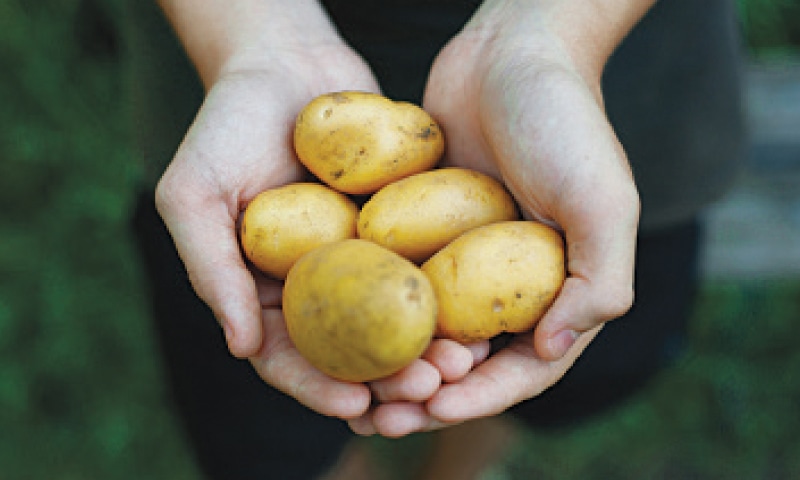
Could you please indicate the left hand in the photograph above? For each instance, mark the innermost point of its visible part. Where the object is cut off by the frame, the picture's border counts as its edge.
(520, 108)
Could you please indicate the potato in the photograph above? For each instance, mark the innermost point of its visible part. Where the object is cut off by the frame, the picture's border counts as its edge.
(280, 225)
(357, 311)
(420, 214)
(357, 142)
(496, 278)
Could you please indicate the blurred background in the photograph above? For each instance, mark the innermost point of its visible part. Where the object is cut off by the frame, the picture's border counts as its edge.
(81, 389)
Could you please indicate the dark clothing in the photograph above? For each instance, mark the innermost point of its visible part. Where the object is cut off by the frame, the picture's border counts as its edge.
(673, 95)
(672, 92)
(240, 428)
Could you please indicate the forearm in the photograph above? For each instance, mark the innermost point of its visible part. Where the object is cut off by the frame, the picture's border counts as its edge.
(588, 30)
(220, 35)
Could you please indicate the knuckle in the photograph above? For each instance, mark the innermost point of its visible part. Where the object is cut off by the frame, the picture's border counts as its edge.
(615, 304)
(166, 193)
(630, 204)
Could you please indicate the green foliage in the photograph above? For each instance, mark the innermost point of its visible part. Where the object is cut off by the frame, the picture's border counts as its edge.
(771, 27)
(81, 394)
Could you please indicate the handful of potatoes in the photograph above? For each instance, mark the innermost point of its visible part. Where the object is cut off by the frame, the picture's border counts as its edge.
(431, 252)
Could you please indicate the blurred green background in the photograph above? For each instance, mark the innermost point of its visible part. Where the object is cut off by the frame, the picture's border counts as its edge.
(81, 390)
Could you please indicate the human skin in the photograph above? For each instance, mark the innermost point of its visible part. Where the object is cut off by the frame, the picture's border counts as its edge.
(519, 98)
(532, 117)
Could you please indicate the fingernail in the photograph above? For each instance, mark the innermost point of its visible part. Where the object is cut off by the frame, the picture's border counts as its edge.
(561, 342)
(362, 426)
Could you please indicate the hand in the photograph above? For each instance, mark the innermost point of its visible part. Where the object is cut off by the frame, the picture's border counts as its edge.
(473, 385)
(400, 399)
(537, 124)
(523, 109)
(238, 146)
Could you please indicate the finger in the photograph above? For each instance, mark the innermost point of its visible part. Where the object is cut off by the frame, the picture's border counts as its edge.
(270, 294)
(510, 376)
(204, 234)
(600, 262)
(270, 290)
(480, 351)
(395, 420)
(415, 383)
(281, 365)
(454, 360)
(362, 425)
(574, 312)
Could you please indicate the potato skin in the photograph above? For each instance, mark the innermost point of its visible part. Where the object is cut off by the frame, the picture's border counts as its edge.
(420, 214)
(357, 311)
(281, 224)
(357, 142)
(496, 278)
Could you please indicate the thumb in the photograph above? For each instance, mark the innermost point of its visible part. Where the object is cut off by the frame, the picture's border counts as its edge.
(204, 232)
(599, 285)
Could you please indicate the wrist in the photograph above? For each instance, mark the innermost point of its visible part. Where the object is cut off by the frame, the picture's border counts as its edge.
(579, 35)
(326, 67)
(221, 37)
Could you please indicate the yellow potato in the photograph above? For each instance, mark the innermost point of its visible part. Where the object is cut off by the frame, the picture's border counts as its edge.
(496, 278)
(357, 142)
(357, 311)
(281, 224)
(420, 214)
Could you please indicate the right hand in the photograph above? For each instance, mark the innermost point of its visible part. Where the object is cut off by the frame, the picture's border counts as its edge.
(239, 145)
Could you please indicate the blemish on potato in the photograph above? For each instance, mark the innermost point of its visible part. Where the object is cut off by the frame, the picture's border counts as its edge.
(413, 294)
(427, 132)
(454, 267)
(498, 305)
(340, 97)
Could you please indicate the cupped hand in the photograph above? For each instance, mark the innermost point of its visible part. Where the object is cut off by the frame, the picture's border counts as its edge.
(534, 120)
(400, 400)
(521, 109)
(239, 145)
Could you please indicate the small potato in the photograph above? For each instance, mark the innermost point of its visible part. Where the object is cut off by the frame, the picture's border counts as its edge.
(280, 225)
(496, 278)
(420, 214)
(357, 142)
(357, 311)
